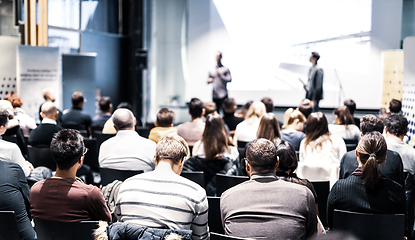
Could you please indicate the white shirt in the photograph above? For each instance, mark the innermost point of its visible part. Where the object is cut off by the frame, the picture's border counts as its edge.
(10, 152)
(330, 152)
(350, 131)
(407, 154)
(246, 130)
(199, 150)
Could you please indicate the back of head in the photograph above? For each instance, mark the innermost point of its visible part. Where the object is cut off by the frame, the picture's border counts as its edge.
(171, 147)
(343, 116)
(77, 98)
(396, 124)
(215, 138)
(48, 110)
(315, 55)
(4, 117)
(104, 104)
(269, 127)
(229, 105)
(125, 105)
(245, 108)
(316, 127)
(165, 118)
(14, 99)
(371, 123)
(351, 105)
(372, 152)
(123, 119)
(48, 94)
(269, 104)
(255, 111)
(288, 160)
(395, 106)
(195, 108)
(262, 155)
(294, 115)
(210, 107)
(306, 107)
(67, 147)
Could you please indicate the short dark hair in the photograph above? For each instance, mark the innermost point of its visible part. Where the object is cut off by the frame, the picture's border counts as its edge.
(77, 98)
(395, 106)
(104, 104)
(4, 117)
(165, 117)
(351, 105)
(371, 123)
(210, 107)
(306, 107)
(287, 156)
(171, 147)
(67, 147)
(229, 105)
(262, 155)
(269, 104)
(195, 108)
(125, 105)
(396, 124)
(315, 55)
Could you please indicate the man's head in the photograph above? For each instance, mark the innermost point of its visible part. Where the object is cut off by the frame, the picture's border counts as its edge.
(229, 105)
(371, 123)
(165, 118)
(314, 57)
(395, 106)
(210, 107)
(269, 105)
(4, 119)
(261, 156)
(49, 111)
(105, 104)
(77, 99)
(48, 95)
(396, 124)
(172, 148)
(195, 108)
(123, 119)
(218, 56)
(351, 105)
(306, 107)
(67, 148)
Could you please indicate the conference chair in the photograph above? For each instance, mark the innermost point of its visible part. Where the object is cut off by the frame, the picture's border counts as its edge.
(214, 218)
(217, 236)
(370, 226)
(8, 226)
(242, 144)
(100, 137)
(197, 177)
(51, 230)
(41, 157)
(224, 182)
(351, 144)
(91, 157)
(322, 189)
(143, 131)
(109, 175)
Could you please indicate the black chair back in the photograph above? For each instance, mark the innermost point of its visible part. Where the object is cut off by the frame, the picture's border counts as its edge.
(217, 236)
(214, 218)
(351, 144)
(197, 177)
(224, 182)
(100, 138)
(109, 175)
(242, 144)
(370, 226)
(8, 226)
(50, 230)
(91, 157)
(143, 131)
(410, 201)
(322, 189)
(41, 157)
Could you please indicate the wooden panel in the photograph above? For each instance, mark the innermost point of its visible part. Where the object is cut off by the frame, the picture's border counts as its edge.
(43, 23)
(392, 75)
(32, 23)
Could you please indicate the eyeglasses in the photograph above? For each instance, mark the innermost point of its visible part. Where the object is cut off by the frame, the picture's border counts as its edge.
(85, 151)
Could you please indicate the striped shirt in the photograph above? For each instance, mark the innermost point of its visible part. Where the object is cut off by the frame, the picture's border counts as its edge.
(163, 199)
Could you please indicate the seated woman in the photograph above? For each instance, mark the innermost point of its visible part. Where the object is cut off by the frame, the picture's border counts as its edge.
(269, 128)
(214, 153)
(246, 130)
(344, 124)
(293, 132)
(26, 122)
(366, 190)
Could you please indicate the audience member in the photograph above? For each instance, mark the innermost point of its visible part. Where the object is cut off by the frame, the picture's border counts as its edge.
(265, 207)
(306, 107)
(13, 128)
(192, 131)
(269, 128)
(351, 105)
(127, 150)
(229, 108)
(99, 120)
(365, 190)
(26, 122)
(242, 113)
(109, 125)
(395, 106)
(162, 198)
(293, 132)
(269, 104)
(246, 130)
(75, 118)
(43, 134)
(210, 107)
(319, 145)
(164, 125)
(49, 96)
(63, 198)
(344, 125)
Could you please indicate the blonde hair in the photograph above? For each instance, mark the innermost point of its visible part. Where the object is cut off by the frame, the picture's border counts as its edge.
(255, 111)
(295, 114)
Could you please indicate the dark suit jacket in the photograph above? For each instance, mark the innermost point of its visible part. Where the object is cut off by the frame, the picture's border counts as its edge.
(315, 91)
(43, 134)
(392, 168)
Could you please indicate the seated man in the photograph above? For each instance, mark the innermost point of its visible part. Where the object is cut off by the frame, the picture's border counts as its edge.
(192, 131)
(43, 134)
(63, 198)
(229, 108)
(49, 96)
(265, 207)
(163, 125)
(99, 120)
(162, 198)
(75, 118)
(127, 150)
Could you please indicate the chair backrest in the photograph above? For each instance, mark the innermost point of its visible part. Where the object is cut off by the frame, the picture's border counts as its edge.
(143, 131)
(214, 218)
(91, 157)
(322, 189)
(351, 144)
(8, 226)
(370, 226)
(224, 182)
(41, 157)
(242, 144)
(100, 137)
(197, 177)
(217, 236)
(50, 230)
(109, 175)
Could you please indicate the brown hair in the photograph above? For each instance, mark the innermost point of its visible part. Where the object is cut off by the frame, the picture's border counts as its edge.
(165, 117)
(171, 147)
(295, 114)
(316, 127)
(15, 99)
(269, 128)
(372, 152)
(215, 138)
(343, 115)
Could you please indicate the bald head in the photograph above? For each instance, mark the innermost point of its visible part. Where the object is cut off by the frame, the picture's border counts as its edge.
(49, 111)
(123, 119)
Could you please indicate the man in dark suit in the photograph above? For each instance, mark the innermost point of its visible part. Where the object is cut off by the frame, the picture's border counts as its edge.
(314, 87)
(99, 120)
(43, 134)
(392, 168)
(75, 118)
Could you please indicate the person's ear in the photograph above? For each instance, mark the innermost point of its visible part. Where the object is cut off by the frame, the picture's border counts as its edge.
(361, 134)
(356, 153)
(135, 121)
(278, 162)
(248, 168)
(155, 124)
(155, 161)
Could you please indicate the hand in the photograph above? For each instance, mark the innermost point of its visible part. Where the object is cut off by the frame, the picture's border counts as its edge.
(30, 166)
